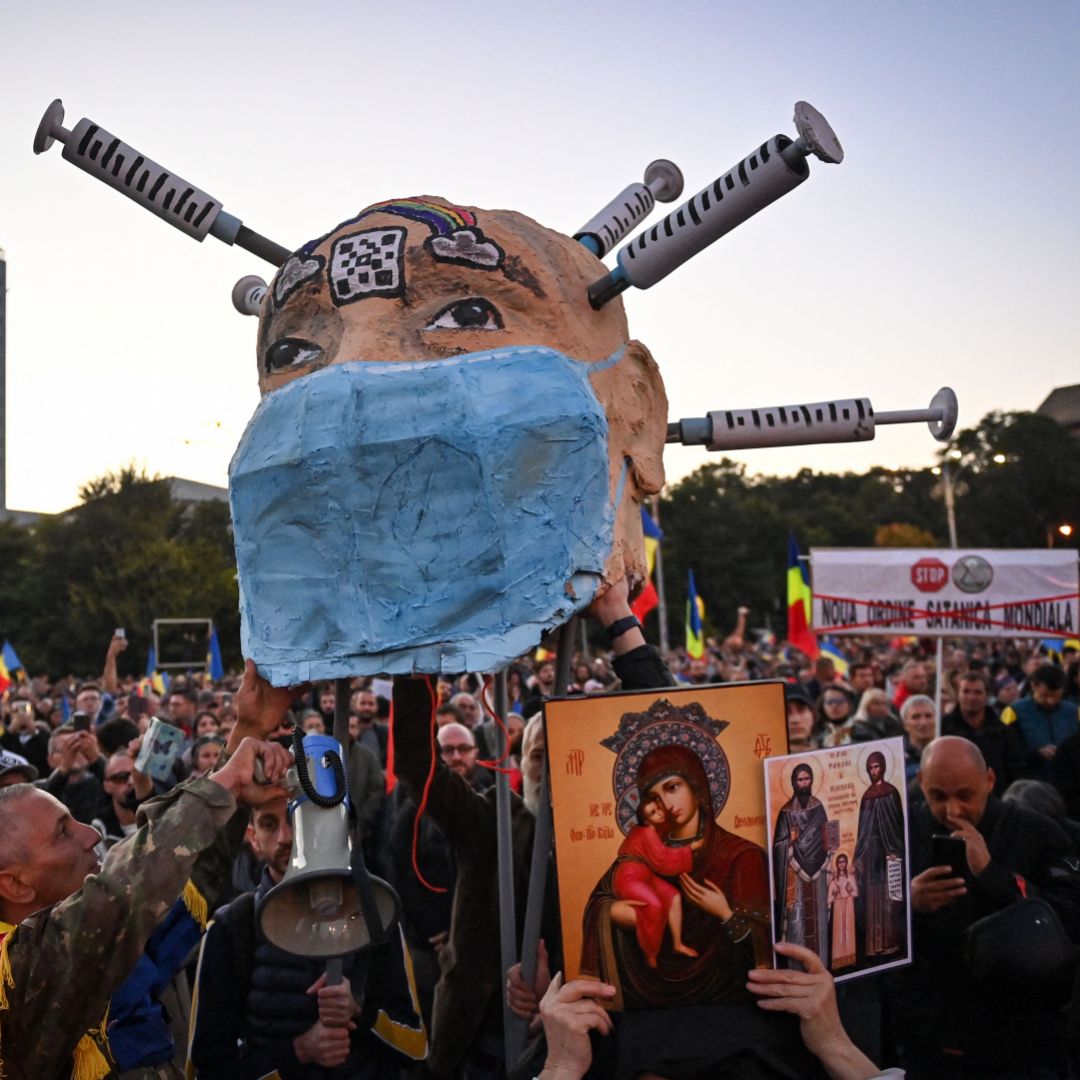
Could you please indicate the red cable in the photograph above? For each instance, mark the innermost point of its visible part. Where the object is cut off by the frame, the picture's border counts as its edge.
(424, 798)
(496, 765)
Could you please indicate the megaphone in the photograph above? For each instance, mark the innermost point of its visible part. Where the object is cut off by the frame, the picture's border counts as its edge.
(326, 904)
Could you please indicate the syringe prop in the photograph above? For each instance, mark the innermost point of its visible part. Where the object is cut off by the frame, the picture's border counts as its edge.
(842, 420)
(762, 177)
(663, 183)
(248, 293)
(153, 187)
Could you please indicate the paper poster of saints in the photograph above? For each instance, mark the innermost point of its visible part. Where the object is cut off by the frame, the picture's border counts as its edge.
(659, 819)
(838, 855)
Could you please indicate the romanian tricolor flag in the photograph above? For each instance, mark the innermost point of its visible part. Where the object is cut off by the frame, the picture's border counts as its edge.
(649, 598)
(798, 598)
(695, 617)
(5, 675)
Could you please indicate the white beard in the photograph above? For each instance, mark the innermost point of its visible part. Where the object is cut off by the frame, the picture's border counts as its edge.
(530, 794)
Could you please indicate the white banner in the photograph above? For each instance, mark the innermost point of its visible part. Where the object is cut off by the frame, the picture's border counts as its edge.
(941, 592)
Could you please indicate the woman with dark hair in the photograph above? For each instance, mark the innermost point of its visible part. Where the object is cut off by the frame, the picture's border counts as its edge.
(834, 717)
(725, 917)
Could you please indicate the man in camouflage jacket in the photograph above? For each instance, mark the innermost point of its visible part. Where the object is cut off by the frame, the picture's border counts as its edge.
(73, 929)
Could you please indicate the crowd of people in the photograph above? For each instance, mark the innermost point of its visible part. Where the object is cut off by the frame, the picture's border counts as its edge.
(1000, 769)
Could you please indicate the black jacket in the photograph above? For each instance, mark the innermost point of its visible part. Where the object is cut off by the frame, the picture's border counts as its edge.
(251, 1002)
(936, 1008)
(1000, 745)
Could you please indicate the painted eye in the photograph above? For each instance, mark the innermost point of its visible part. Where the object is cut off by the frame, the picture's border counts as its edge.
(472, 314)
(290, 352)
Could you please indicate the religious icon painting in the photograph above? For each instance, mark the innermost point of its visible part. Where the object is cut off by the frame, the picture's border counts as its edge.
(838, 853)
(659, 818)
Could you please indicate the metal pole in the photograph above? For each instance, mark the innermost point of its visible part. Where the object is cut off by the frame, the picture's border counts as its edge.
(342, 693)
(937, 684)
(658, 570)
(541, 852)
(513, 1028)
(949, 491)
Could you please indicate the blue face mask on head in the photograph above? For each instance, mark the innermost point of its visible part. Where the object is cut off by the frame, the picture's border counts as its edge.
(428, 516)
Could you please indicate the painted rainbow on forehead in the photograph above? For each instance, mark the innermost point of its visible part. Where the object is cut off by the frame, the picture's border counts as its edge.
(442, 220)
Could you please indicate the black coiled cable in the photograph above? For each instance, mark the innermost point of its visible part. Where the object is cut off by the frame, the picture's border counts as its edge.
(325, 801)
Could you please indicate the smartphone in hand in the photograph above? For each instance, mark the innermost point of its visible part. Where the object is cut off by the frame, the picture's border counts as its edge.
(950, 851)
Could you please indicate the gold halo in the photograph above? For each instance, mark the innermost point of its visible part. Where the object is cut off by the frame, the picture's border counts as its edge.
(789, 768)
(874, 748)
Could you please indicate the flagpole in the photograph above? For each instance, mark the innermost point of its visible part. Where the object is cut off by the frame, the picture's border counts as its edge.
(661, 607)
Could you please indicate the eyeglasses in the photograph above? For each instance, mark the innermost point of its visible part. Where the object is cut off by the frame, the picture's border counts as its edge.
(830, 702)
(119, 777)
(450, 751)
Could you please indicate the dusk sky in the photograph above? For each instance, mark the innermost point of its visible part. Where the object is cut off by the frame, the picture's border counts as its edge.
(944, 250)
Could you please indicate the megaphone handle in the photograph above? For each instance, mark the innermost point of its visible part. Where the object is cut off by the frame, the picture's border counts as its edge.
(333, 971)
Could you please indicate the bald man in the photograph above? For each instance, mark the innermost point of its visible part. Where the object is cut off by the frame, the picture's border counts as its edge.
(946, 1025)
(457, 747)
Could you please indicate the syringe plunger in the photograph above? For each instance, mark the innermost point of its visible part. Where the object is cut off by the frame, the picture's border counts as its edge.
(760, 178)
(170, 197)
(842, 420)
(776, 167)
(631, 207)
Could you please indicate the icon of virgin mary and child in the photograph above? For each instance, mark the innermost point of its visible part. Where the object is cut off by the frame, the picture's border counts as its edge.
(681, 915)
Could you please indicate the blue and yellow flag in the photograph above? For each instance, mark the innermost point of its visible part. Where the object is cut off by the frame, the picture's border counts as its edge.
(833, 651)
(10, 660)
(695, 617)
(213, 657)
(155, 680)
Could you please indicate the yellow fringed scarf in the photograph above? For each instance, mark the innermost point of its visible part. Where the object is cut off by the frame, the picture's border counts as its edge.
(6, 978)
(196, 904)
(89, 1062)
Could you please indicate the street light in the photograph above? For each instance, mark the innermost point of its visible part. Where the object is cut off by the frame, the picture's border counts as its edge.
(950, 470)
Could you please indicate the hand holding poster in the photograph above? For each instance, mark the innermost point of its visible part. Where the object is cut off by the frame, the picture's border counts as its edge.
(658, 803)
(945, 592)
(838, 843)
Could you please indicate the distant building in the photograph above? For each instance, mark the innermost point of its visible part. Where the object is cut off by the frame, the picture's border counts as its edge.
(183, 491)
(1063, 405)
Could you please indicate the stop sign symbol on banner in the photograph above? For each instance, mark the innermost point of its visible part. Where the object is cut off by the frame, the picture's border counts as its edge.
(929, 575)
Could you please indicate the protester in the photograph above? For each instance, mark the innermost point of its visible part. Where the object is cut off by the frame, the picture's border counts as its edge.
(834, 716)
(874, 717)
(1044, 720)
(74, 928)
(261, 1011)
(570, 1011)
(920, 727)
(974, 718)
(947, 1024)
(800, 718)
(914, 679)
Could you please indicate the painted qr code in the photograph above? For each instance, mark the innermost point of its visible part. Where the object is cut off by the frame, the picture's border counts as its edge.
(367, 264)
